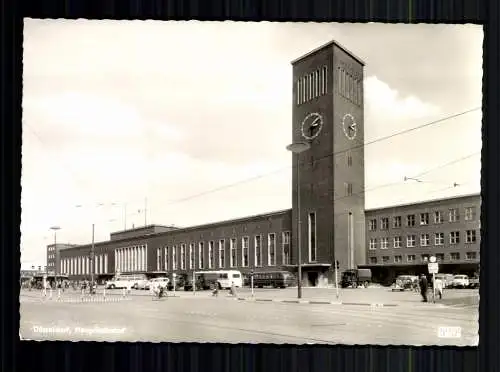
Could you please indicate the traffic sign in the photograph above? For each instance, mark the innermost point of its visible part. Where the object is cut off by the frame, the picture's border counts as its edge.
(433, 267)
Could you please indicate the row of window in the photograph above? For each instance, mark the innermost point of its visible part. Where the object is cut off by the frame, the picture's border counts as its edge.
(453, 216)
(440, 257)
(51, 249)
(51, 256)
(131, 259)
(83, 265)
(425, 240)
(312, 85)
(169, 258)
(349, 86)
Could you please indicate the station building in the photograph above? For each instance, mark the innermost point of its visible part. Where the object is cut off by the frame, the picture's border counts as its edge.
(328, 204)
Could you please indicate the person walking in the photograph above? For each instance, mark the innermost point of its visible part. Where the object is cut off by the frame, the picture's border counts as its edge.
(424, 286)
(438, 284)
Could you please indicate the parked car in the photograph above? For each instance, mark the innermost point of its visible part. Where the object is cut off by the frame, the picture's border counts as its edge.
(161, 282)
(460, 281)
(356, 278)
(447, 279)
(405, 282)
(474, 282)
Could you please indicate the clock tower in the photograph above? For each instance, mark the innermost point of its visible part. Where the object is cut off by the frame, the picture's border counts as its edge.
(328, 114)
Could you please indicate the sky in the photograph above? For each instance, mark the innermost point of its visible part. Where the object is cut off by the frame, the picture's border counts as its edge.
(185, 123)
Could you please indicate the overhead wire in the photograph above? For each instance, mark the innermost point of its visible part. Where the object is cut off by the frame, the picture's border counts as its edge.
(380, 139)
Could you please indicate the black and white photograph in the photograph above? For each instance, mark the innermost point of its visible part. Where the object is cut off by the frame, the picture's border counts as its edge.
(251, 182)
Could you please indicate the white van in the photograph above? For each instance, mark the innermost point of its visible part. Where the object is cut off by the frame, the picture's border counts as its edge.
(126, 281)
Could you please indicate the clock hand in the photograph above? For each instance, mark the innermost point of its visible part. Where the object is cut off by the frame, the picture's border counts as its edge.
(315, 123)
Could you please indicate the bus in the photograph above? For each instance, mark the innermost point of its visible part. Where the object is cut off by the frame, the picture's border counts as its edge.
(274, 279)
(223, 279)
(127, 281)
(38, 280)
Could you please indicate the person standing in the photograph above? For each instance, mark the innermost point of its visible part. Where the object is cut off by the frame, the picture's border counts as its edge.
(424, 286)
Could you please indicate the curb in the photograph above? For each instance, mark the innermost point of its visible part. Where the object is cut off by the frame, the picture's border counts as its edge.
(316, 302)
(88, 300)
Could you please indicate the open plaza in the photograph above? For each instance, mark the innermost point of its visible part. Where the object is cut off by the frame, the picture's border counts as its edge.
(357, 316)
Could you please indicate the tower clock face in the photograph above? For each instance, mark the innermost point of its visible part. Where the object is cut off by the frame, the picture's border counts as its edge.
(312, 125)
(349, 126)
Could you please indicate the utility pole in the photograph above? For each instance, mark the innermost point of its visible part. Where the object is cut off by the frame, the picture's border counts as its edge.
(92, 257)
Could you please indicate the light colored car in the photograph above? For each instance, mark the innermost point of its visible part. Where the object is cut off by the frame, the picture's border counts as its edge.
(447, 279)
(460, 281)
(161, 282)
(142, 284)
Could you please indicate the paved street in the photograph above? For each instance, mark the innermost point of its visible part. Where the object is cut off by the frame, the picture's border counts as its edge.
(202, 318)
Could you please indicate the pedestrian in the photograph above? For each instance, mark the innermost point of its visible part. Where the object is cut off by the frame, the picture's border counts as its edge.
(233, 290)
(438, 287)
(424, 286)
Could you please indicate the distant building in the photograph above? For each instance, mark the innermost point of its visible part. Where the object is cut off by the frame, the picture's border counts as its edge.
(328, 113)
(53, 257)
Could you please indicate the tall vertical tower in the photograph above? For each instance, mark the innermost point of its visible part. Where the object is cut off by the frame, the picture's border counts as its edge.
(328, 114)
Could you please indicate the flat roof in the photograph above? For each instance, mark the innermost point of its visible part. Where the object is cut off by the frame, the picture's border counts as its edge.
(144, 228)
(423, 202)
(326, 45)
(190, 228)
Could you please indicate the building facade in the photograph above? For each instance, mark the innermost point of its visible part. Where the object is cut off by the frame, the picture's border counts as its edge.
(400, 239)
(53, 257)
(328, 205)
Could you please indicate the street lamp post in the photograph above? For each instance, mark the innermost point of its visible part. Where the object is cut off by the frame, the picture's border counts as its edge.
(298, 148)
(55, 229)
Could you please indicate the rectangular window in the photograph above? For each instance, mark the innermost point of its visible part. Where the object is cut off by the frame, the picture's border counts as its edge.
(410, 241)
(439, 238)
(410, 258)
(373, 244)
(455, 237)
(424, 257)
(166, 258)
(384, 223)
(174, 258)
(372, 225)
(306, 88)
(191, 256)
(348, 188)
(470, 236)
(438, 217)
(373, 260)
(298, 91)
(211, 260)
(455, 256)
(398, 242)
(439, 257)
(424, 219)
(470, 255)
(384, 243)
(158, 259)
(183, 256)
(316, 83)
(470, 213)
(343, 82)
(258, 250)
(396, 222)
(324, 73)
(348, 156)
(201, 255)
(244, 251)
(233, 247)
(410, 220)
(424, 240)
(453, 215)
(222, 251)
(311, 87)
(398, 259)
(286, 247)
(385, 259)
(271, 249)
(312, 236)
